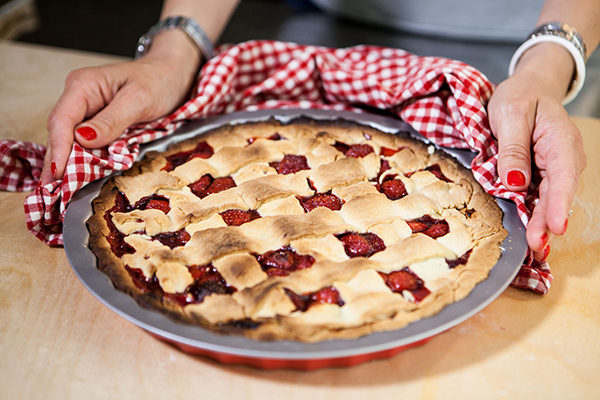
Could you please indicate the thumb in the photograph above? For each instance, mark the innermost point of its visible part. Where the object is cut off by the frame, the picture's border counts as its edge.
(513, 127)
(108, 124)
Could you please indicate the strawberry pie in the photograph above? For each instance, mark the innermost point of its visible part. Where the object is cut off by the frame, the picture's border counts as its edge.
(308, 230)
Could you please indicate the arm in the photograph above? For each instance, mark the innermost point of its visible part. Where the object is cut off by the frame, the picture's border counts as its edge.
(526, 113)
(98, 104)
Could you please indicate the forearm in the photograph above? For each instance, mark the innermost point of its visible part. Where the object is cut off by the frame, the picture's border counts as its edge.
(212, 15)
(175, 47)
(551, 63)
(583, 15)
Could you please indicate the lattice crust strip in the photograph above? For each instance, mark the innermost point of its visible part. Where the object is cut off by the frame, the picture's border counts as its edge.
(300, 190)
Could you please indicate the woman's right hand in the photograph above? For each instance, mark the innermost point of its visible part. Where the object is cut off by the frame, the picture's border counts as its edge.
(99, 103)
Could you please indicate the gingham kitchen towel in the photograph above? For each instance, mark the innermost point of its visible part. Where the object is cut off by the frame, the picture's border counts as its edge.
(442, 99)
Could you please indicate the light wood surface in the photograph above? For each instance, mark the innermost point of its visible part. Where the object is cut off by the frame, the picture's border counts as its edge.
(58, 342)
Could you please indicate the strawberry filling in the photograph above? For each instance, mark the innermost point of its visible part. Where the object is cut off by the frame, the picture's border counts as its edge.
(353, 150)
(208, 185)
(207, 281)
(405, 279)
(387, 152)
(155, 202)
(283, 261)
(202, 150)
(361, 244)
(173, 239)
(327, 295)
(434, 228)
(462, 260)
(239, 217)
(385, 165)
(115, 238)
(393, 189)
(290, 164)
(327, 200)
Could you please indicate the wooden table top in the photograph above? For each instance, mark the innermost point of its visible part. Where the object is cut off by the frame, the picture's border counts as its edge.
(58, 341)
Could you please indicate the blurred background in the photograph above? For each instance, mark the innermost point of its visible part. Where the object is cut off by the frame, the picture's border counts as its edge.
(114, 26)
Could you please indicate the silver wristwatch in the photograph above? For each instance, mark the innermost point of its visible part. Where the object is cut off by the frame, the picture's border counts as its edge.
(565, 31)
(187, 25)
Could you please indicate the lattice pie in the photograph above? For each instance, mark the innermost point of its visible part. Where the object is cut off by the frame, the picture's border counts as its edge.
(305, 231)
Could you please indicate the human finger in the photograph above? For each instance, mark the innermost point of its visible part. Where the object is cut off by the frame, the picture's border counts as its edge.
(538, 234)
(559, 151)
(46, 175)
(512, 121)
(84, 94)
(131, 104)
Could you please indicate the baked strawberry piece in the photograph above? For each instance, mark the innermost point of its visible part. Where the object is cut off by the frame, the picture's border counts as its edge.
(290, 164)
(405, 279)
(393, 188)
(361, 244)
(354, 150)
(239, 217)
(434, 228)
(283, 261)
(173, 239)
(327, 295)
(208, 185)
(202, 150)
(327, 200)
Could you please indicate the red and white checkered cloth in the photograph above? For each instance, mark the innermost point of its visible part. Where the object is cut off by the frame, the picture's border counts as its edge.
(443, 99)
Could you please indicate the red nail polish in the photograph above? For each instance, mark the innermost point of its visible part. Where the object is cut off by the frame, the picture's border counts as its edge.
(546, 252)
(565, 227)
(515, 178)
(53, 169)
(87, 132)
(544, 239)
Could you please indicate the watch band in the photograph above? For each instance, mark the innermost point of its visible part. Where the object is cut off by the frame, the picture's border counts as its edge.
(566, 36)
(187, 25)
(565, 31)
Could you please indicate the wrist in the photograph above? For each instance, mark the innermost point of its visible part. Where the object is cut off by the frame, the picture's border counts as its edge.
(561, 34)
(176, 47)
(550, 64)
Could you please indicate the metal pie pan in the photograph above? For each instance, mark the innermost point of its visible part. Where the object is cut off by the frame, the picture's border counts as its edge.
(286, 354)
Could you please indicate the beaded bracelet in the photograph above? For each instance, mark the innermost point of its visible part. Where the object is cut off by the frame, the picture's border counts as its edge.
(566, 36)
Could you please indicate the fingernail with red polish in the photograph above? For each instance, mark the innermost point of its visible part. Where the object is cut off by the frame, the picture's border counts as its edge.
(87, 132)
(515, 178)
(544, 239)
(565, 227)
(546, 252)
(53, 169)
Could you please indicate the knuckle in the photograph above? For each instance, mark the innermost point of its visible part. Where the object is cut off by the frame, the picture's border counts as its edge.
(140, 94)
(51, 124)
(107, 122)
(519, 108)
(515, 152)
(56, 129)
(77, 75)
(567, 177)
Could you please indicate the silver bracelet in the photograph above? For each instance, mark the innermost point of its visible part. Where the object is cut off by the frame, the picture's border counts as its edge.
(187, 25)
(566, 36)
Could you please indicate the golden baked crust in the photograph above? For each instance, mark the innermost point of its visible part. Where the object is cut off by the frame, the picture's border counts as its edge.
(310, 191)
